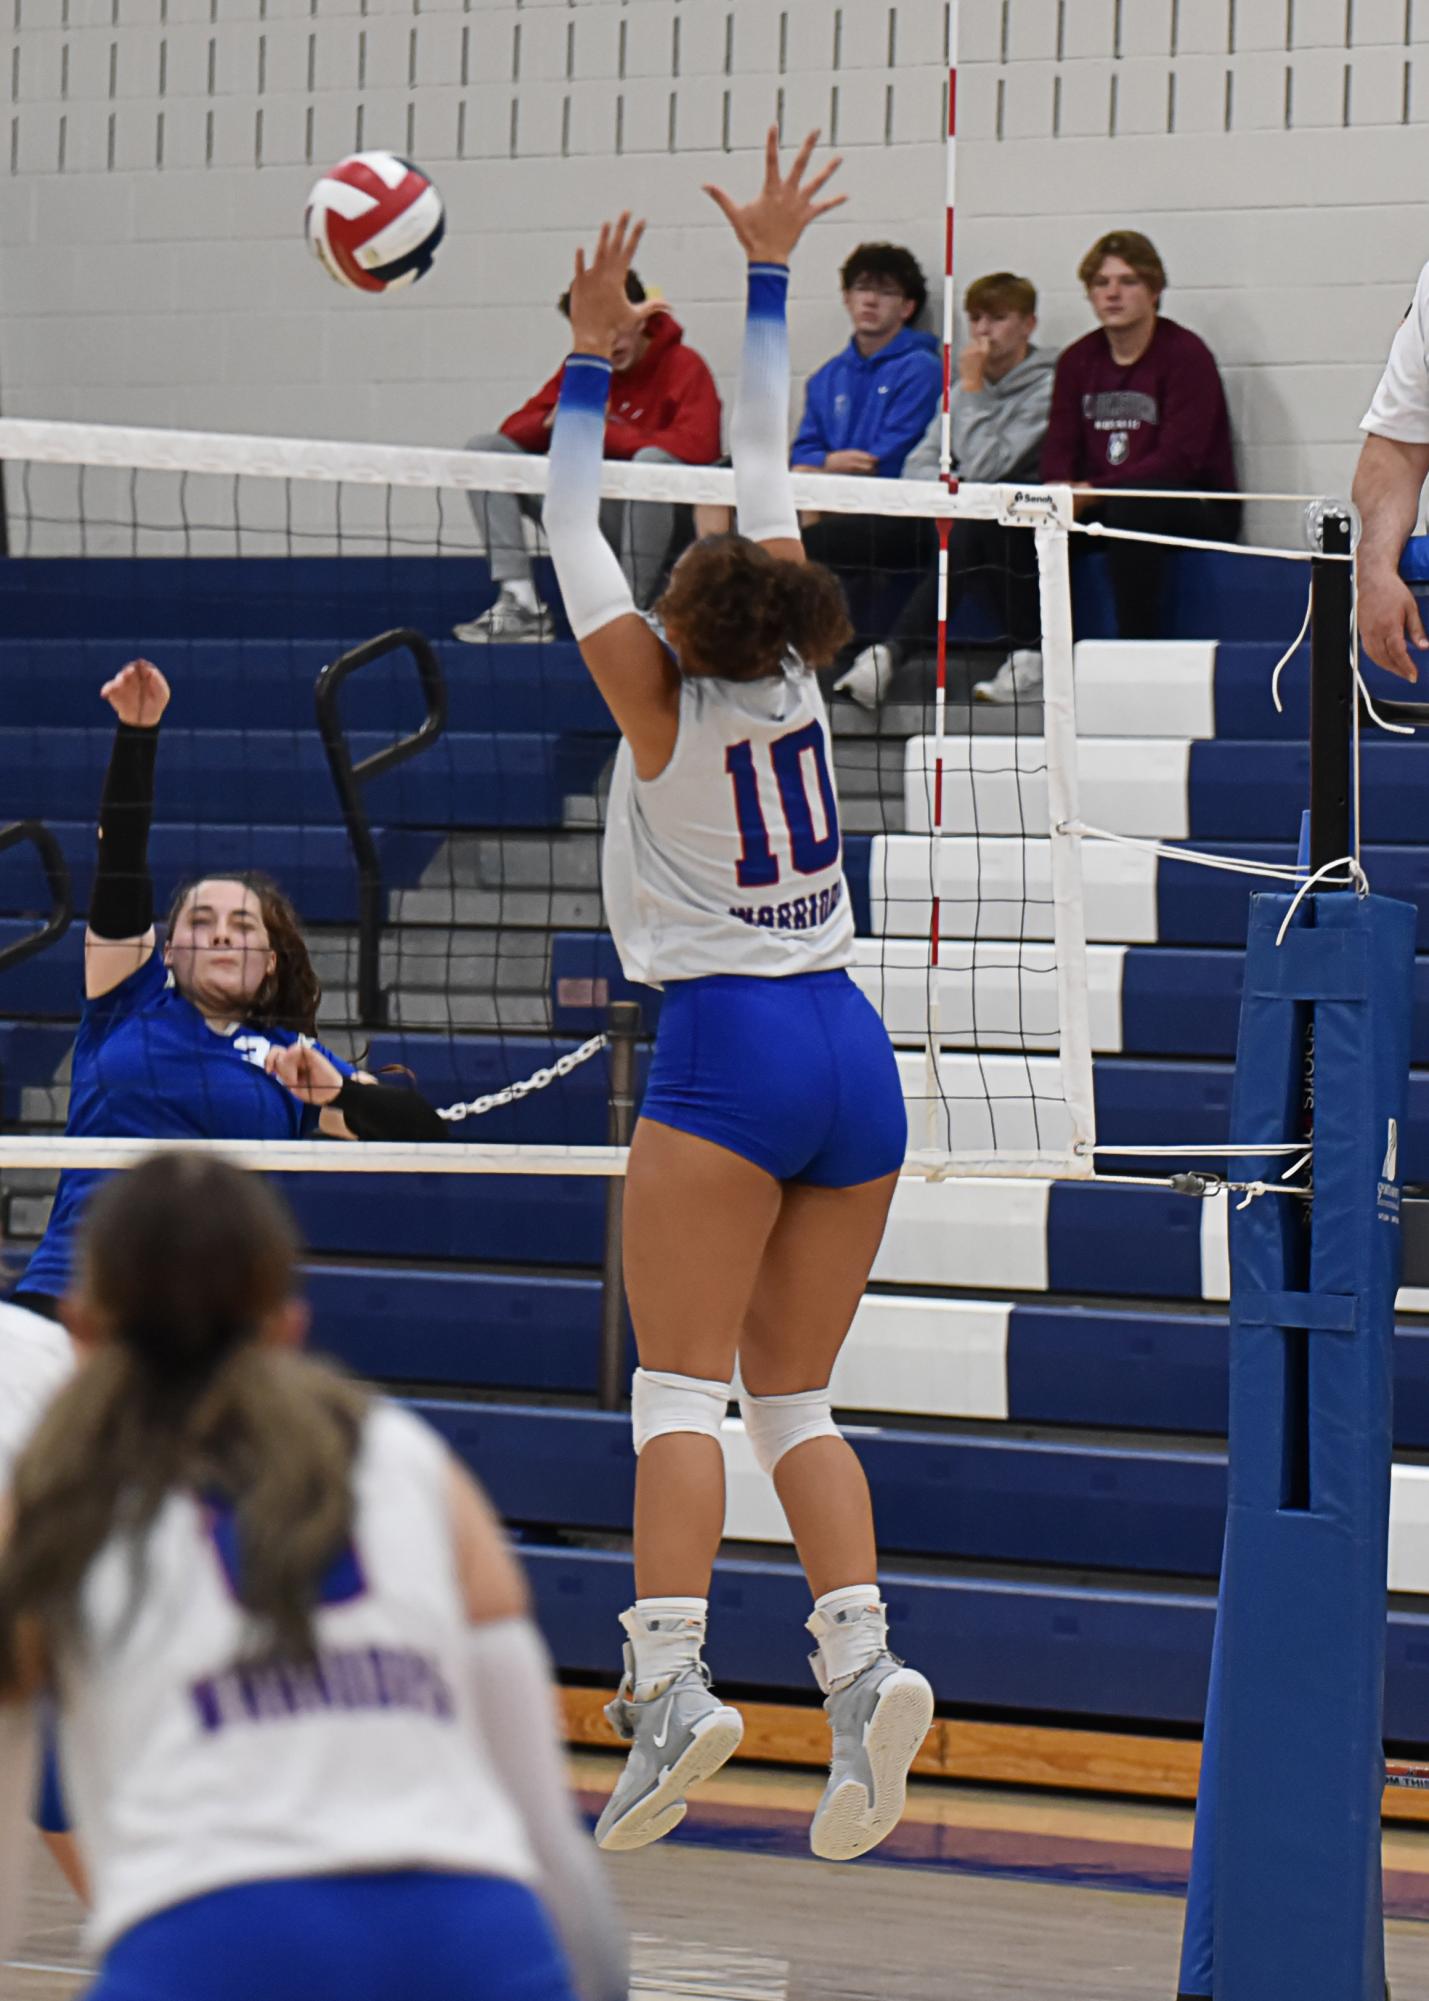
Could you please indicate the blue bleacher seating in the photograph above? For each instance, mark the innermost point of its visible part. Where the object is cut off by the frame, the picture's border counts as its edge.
(1059, 1563)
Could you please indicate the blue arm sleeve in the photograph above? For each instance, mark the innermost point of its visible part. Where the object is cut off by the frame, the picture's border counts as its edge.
(593, 585)
(763, 491)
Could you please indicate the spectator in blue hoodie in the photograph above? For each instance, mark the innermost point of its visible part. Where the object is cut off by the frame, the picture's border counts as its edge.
(866, 409)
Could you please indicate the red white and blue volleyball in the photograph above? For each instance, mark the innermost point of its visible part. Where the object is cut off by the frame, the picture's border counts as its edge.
(374, 222)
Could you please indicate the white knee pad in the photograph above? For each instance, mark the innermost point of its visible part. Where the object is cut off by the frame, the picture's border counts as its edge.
(661, 1404)
(775, 1425)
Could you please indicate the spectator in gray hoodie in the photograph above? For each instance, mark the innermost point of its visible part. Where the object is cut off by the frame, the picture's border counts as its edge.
(1000, 409)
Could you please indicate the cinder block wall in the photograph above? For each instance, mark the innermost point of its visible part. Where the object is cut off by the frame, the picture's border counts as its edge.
(156, 154)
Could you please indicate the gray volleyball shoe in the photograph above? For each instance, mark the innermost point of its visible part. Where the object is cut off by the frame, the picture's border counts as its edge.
(676, 1738)
(879, 1721)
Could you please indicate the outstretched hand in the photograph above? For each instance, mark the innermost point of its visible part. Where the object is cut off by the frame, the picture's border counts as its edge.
(600, 310)
(769, 226)
(306, 1072)
(138, 694)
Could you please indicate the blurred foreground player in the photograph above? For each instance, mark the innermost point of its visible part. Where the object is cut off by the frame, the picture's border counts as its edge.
(306, 1722)
(773, 1125)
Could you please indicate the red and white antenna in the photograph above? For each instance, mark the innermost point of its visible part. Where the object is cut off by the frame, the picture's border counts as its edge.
(940, 692)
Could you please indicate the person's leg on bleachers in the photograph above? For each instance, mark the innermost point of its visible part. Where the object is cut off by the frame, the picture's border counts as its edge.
(518, 613)
(1013, 583)
(1139, 571)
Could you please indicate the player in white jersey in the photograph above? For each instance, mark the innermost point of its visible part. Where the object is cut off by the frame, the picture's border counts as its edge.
(306, 1724)
(772, 1128)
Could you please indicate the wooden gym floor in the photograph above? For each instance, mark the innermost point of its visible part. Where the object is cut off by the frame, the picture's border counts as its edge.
(982, 1895)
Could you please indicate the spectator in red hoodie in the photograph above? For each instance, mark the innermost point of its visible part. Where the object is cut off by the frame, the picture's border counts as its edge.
(1139, 403)
(664, 410)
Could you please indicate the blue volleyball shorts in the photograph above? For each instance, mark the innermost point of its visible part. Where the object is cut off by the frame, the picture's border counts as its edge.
(794, 1074)
(411, 1933)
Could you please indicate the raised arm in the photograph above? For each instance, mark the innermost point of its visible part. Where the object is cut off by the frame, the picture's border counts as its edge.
(629, 665)
(769, 228)
(120, 935)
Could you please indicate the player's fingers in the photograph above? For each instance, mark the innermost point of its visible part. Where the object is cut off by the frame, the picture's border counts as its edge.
(634, 243)
(824, 175)
(723, 202)
(1414, 624)
(802, 158)
(823, 207)
(771, 158)
(580, 263)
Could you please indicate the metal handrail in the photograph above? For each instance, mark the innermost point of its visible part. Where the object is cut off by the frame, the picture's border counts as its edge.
(57, 880)
(349, 780)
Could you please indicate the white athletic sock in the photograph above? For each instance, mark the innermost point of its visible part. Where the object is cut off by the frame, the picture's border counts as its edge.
(523, 591)
(666, 1635)
(851, 1627)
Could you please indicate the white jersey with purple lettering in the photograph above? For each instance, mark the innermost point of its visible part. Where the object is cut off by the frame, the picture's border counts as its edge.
(731, 860)
(187, 1767)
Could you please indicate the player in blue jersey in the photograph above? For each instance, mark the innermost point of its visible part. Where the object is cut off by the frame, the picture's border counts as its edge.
(208, 1037)
(306, 1719)
(773, 1125)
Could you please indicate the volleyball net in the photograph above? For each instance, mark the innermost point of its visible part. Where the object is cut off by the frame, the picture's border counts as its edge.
(433, 805)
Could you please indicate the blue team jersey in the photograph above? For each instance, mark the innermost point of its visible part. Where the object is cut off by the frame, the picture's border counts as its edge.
(147, 1065)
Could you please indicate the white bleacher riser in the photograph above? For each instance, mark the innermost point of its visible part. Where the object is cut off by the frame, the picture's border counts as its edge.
(933, 1356)
(975, 1235)
(998, 785)
(988, 1104)
(1002, 888)
(992, 996)
(1146, 687)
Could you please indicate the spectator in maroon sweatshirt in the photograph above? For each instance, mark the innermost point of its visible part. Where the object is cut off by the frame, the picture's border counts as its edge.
(664, 410)
(1139, 403)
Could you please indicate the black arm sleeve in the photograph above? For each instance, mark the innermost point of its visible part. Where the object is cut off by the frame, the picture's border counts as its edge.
(388, 1111)
(121, 904)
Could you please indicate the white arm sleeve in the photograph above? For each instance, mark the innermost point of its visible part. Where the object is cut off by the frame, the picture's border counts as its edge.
(759, 436)
(510, 1676)
(1400, 409)
(593, 585)
(19, 1768)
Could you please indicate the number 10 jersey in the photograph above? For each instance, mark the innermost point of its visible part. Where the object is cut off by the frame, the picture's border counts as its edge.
(731, 860)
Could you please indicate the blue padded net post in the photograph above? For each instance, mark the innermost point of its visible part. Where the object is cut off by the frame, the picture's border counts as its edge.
(1285, 1891)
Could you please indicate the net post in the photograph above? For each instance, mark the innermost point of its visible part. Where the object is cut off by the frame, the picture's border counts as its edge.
(1331, 688)
(622, 1025)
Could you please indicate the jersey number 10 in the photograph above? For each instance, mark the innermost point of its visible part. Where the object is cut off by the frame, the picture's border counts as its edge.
(812, 853)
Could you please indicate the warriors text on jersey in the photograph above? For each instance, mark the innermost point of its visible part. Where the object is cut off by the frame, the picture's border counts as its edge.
(187, 1766)
(731, 860)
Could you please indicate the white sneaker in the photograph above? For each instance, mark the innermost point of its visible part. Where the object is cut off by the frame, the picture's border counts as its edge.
(676, 1738)
(1018, 679)
(879, 1722)
(507, 621)
(866, 682)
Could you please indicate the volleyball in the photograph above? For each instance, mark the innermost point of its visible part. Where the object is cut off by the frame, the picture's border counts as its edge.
(374, 222)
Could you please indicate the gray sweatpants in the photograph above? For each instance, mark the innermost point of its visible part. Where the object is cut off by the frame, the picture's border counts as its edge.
(638, 531)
